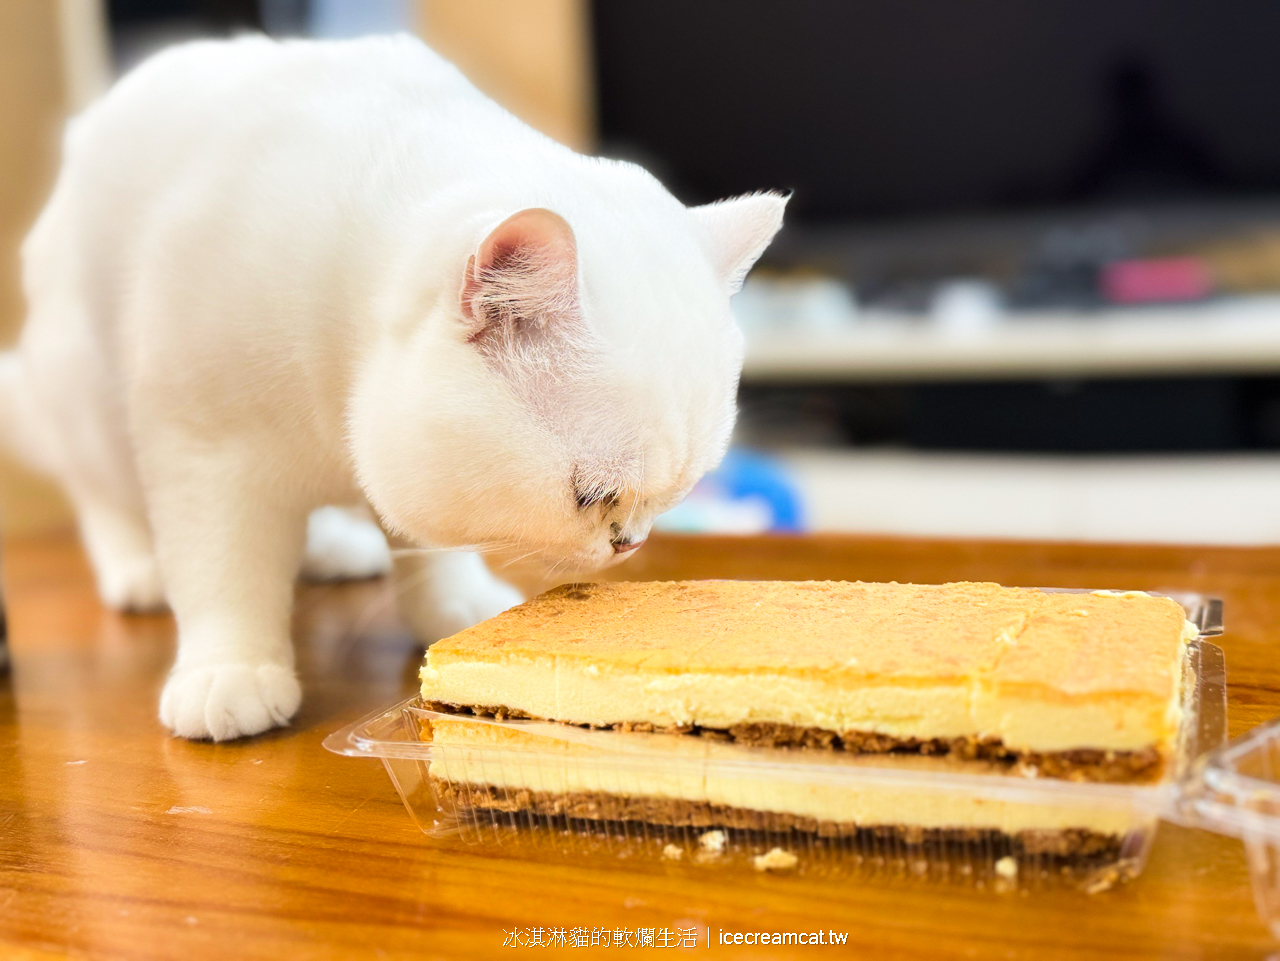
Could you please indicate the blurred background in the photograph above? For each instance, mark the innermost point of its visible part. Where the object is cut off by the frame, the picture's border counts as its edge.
(1030, 280)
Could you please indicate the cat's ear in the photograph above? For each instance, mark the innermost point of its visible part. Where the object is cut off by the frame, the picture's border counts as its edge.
(737, 231)
(523, 276)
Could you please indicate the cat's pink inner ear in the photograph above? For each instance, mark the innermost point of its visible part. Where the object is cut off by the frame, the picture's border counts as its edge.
(525, 270)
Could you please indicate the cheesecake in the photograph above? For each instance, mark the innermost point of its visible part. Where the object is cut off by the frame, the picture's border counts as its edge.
(1081, 685)
(966, 677)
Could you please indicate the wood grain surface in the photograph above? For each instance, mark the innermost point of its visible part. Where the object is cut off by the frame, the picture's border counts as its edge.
(117, 841)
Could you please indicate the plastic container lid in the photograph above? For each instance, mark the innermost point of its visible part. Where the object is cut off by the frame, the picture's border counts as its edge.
(1231, 789)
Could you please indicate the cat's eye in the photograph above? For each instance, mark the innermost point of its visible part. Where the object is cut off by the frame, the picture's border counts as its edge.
(587, 497)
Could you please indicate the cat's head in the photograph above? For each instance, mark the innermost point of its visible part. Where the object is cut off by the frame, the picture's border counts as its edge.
(578, 378)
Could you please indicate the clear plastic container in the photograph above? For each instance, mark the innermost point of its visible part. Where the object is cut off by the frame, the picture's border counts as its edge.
(1235, 790)
(493, 787)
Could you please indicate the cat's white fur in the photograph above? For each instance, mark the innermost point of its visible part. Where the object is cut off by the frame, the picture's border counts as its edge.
(278, 276)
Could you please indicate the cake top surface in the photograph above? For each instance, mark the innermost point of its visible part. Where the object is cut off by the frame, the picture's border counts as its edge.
(1074, 643)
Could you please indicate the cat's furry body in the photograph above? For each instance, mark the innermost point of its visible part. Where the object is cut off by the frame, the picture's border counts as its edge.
(276, 276)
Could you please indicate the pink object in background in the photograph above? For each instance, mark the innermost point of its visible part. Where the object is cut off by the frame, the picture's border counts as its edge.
(1155, 280)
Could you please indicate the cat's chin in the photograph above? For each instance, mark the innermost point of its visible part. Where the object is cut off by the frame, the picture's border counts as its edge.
(615, 559)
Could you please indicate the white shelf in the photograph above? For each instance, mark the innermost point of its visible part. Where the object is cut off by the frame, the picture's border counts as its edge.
(1239, 336)
(1189, 499)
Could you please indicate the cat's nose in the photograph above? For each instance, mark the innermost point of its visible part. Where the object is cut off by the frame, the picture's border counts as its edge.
(623, 547)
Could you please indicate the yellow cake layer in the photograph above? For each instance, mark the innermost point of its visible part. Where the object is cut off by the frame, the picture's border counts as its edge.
(1040, 671)
(471, 752)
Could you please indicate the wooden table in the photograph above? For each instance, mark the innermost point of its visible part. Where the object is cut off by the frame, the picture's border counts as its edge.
(117, 841)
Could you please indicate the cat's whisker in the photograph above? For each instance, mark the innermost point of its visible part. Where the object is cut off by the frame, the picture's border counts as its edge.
(549, 577)
(479, 548)
(635, 501)
(517, 560)
(418, 551)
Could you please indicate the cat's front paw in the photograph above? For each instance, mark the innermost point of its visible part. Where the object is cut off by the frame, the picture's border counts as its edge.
(458, 613)
(344, 547)
(131, 584)
(457, 604)
(227, 701)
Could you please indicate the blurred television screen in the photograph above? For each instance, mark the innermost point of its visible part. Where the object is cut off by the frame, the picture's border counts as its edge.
(883, 110)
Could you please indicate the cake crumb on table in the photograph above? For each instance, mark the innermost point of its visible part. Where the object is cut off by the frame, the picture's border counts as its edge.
(712, 841)
(672, 853)
(1104, 880)
(775, 860)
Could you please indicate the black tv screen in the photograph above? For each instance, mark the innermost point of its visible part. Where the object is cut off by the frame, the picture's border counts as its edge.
(881, 109)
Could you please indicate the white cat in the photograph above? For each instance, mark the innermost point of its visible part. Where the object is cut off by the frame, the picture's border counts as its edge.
(277, 276)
